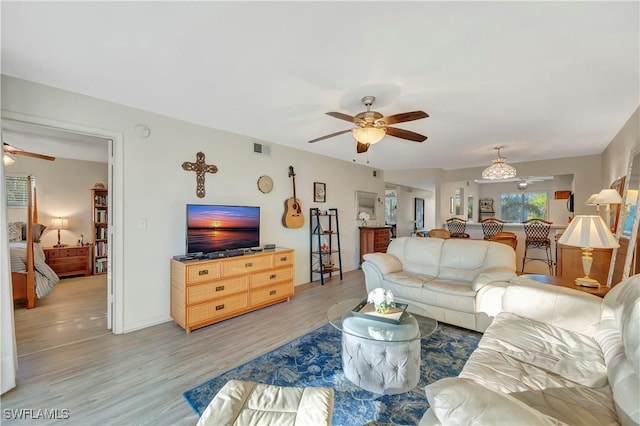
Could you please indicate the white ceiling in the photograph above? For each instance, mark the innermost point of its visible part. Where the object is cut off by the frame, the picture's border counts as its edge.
(543, 79)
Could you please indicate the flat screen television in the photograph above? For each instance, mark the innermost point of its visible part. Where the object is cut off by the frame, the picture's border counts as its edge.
(217, 228)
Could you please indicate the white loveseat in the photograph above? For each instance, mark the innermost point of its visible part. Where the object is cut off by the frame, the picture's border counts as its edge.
(457, 281)
(553, 356)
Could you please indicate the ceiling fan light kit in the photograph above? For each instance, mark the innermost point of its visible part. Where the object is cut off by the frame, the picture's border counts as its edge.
(368, 134)
(8, 159)
(499, 169)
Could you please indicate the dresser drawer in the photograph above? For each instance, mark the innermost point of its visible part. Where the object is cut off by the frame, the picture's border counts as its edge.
(267, 294)
(282, 259)
(203, 292)
(245, 265)
(67, 252)
(260, 279)
(202, 272)
(214, 309)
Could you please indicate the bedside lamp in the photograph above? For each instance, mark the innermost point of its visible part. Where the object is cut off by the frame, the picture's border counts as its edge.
(59, 223)
(588, 232)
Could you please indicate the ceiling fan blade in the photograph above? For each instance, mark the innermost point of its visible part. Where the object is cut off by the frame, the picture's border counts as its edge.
(405, 116)
(341, 116)
(362, 147)
(406, 134)
(330, 136)
(15, 151)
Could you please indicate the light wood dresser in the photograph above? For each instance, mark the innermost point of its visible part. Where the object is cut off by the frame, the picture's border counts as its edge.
(374, 240)
(204, 292)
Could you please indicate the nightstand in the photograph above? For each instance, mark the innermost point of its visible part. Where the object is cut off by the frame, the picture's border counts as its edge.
(67, 261)
(568, 283)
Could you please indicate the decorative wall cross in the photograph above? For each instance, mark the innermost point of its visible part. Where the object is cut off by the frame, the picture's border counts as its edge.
(200, 168)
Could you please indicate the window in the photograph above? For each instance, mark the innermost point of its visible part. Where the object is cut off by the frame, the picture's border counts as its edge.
(520, 206)
(17, 190)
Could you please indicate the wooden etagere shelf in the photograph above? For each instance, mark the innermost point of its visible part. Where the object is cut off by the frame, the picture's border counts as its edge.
(325, 257)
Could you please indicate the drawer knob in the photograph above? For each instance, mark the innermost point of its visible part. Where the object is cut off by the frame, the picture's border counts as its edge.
(220, 288)
(272, 276)
(219, 307)
(272, 292)
(283, 259)
(203, 272)
(248, 264)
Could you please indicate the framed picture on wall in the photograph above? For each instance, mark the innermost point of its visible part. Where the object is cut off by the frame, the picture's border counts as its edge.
(419, 213)
(319, 192)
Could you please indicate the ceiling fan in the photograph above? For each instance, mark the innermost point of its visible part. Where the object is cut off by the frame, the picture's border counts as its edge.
(10, 151)
(372, 126)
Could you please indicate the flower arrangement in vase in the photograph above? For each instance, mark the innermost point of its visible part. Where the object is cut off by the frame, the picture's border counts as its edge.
(382, 299)
(364, 217)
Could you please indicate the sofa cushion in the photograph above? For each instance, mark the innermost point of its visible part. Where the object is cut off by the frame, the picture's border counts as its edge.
(573, 356)
(386, 264)
(418, 255)
(549, 393)
(456, 401)
(619, 337)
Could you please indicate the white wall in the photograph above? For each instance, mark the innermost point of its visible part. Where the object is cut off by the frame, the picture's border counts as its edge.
(62, 191)
(156, 188)
(615, 159)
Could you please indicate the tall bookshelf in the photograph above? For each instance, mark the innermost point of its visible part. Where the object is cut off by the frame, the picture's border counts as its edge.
(100, 209)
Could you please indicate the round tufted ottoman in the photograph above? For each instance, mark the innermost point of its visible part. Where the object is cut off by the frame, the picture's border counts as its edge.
(381, 357)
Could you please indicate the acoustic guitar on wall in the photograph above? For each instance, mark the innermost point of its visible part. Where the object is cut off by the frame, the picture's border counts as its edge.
(293, 217)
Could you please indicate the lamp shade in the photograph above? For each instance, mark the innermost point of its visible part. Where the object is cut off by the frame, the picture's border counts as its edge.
(59, 223)
(588, 231)
(368, 134)
(608, 196)
(591, 201)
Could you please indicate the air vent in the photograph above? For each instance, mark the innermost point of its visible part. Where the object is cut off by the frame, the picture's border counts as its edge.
(259, 148)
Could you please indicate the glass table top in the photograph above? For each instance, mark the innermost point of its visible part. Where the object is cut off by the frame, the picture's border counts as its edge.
(411, 326)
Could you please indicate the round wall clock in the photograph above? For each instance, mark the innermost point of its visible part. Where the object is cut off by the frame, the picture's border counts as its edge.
(265, 184)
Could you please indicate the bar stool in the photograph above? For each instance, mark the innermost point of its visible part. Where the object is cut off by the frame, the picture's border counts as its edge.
(504, 237)
(537, 237)
(491, 226)
(439, 233)
(457, 227)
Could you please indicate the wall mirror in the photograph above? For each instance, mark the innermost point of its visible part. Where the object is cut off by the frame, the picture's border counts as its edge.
(628, 221)
(419, 213)
(470, 208)
(366, 202)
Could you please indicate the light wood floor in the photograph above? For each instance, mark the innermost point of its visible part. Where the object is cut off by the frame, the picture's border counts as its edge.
(68, 360)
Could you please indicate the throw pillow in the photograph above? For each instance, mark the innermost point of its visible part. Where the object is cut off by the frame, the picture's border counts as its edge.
(38, 229)
(15, 231)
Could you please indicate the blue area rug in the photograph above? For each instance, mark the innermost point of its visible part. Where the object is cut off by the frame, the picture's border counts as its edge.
(315, 360)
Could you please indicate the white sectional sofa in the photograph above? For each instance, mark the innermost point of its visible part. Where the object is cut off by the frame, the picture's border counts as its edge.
(457, 281)
(552, 356)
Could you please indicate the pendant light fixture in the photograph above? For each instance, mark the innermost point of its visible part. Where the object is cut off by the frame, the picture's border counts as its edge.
(499, 169)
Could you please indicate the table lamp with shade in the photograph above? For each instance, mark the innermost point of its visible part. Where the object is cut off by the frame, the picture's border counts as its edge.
(59, 223)
(608, 197)
(588, 232)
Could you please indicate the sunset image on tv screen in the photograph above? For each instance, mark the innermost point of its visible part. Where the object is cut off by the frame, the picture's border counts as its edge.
(216, 228)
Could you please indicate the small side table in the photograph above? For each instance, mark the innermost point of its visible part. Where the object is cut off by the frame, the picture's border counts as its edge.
(568, 283)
